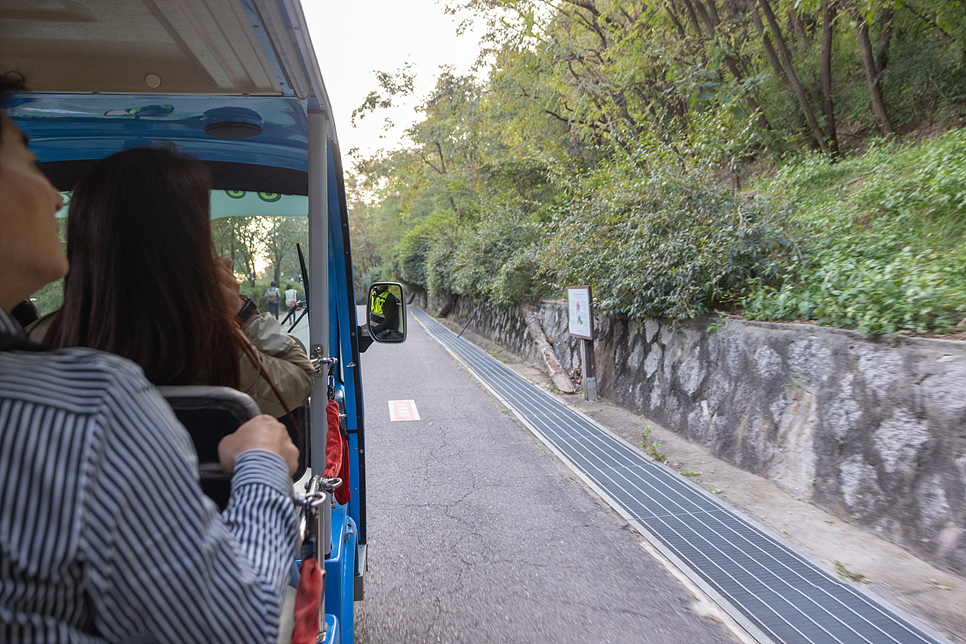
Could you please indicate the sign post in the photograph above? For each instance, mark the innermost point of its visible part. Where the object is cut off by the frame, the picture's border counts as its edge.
(581, 325)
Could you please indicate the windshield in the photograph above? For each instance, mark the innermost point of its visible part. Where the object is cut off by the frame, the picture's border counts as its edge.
(257, 230)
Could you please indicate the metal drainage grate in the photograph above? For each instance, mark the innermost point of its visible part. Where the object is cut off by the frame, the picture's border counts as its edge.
(775, 593)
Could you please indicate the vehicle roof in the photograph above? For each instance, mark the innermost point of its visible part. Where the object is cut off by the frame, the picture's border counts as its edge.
(107, 75)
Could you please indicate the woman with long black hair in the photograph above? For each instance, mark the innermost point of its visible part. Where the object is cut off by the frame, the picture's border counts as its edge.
(145, 284)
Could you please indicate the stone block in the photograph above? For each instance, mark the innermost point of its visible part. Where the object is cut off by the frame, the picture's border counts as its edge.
(899, 441)
(860, 485)
(841, 412)
(793, 467)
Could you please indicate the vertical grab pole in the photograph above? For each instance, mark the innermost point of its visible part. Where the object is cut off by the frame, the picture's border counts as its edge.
(318, 280)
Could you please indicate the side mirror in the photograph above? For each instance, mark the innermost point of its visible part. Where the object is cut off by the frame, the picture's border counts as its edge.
(386, 312)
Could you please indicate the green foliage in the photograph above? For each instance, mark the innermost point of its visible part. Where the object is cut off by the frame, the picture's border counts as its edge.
(847, 575)
(256, 292)
(717, 324)
(652, 447)
(495, 258)
(609, 141)
(49, 298)
(662, 242)
(888, 250)
(430, 237)
(280, 238)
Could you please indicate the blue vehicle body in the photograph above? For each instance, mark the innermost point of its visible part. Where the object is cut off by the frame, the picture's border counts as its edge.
(73, 119)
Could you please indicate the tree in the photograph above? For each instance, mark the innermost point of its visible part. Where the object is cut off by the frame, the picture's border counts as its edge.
(281, 236)
(239, 238)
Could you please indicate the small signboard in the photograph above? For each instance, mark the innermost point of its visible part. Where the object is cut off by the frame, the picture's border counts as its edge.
(581, 312)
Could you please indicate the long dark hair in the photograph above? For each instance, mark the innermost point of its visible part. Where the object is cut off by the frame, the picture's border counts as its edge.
(143, 282)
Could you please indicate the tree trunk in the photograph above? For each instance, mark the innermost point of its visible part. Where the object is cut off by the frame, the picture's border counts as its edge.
(885, 40)
(689, 8)
(828, 14)
(872, 78)
(712, 21)
(751, 100)
(786, 58)
(799, 29)
(674, 19)
(713, 10)
(558, 376)
(705, 18)
(770, 53)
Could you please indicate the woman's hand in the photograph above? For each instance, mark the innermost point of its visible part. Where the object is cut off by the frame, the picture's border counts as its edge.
(261, 432)
(228, 284)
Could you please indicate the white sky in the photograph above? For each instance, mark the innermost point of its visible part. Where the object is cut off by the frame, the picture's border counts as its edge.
(353, 38)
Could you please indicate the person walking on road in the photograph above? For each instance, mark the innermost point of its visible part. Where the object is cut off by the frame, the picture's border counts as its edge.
(291, 298)
(272, 296)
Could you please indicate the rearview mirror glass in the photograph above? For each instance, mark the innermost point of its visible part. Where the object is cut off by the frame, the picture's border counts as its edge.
(386, 312)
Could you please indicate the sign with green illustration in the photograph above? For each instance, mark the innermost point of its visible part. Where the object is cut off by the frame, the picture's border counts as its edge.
(581, 314)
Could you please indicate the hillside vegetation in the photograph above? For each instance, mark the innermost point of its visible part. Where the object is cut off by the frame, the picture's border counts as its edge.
(686, 156)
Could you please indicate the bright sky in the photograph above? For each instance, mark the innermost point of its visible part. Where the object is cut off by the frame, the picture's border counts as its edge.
(352, 38)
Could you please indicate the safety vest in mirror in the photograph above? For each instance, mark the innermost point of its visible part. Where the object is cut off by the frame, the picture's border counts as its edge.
(378, 299)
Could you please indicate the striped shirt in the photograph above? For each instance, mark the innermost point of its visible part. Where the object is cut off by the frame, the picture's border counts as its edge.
(105, 535)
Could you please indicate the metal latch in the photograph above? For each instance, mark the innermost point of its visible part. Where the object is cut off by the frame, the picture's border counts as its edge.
(319, 359)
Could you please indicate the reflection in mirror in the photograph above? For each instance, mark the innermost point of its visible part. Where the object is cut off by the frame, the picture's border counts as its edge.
(386, 312)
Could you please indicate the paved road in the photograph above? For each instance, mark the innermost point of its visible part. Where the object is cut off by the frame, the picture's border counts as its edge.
(477, 534)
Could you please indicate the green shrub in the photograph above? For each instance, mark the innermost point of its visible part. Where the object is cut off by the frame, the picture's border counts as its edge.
(662, 241)
(411, 255)
(888, 245)
(493, 259)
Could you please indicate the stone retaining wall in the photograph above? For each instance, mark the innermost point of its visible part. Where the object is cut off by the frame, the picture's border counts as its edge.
(872, 431)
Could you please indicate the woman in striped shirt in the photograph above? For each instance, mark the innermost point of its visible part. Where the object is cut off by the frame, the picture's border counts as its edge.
(105, 535)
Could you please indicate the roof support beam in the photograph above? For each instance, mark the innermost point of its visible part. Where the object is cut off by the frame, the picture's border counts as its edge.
(319, 335)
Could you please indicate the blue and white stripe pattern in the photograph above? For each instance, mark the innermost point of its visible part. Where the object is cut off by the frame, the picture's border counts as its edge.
(105, 535)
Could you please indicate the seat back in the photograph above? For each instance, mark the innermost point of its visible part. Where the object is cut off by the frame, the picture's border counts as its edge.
(209, 414)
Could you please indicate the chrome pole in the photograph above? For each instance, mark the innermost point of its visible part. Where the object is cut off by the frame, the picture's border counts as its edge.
(318, 280)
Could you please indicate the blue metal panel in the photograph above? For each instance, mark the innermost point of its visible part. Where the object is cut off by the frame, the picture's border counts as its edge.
(348, 584)
(69, 127)
(339, 571)
(342, 296)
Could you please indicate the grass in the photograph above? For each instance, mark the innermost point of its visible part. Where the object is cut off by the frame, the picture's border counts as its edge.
(847, 575)
(652, 447)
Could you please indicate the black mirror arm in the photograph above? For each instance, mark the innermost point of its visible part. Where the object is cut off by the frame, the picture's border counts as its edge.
(365, 340)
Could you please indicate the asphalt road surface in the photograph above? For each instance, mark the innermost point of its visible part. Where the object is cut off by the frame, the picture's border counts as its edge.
(478, 534)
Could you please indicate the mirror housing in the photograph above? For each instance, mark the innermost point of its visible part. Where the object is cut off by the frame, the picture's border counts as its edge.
(386, 312)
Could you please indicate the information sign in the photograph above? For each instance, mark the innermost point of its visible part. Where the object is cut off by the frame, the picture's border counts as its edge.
(581, 312)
